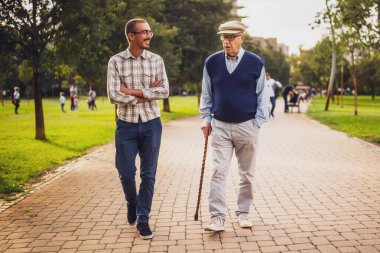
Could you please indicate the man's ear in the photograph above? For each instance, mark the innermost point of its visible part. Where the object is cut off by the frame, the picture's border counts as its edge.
(130, 36)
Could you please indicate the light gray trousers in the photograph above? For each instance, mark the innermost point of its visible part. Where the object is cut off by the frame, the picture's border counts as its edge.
(227, 137)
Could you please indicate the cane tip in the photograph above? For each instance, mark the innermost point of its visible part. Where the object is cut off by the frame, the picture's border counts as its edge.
(196, 217)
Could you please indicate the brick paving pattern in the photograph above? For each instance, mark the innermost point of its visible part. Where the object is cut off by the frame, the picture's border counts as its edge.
(316, 191)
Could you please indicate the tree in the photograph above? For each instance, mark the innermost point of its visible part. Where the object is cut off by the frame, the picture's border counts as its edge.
(364, 18)
(352, 42)
(62, 72)
(7, 62)
(35, 24)
(25, 74)
(197, 23)
(329, 16)
(351, 35)
(313, 64)
(360, 33)
(368, 72)
(163, 45)
(89, 38)
(164, 35)
(358, 25)
(92, 36)
(275, 61)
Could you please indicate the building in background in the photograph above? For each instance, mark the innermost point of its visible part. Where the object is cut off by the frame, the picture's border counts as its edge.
(269, 43)
(260, 41)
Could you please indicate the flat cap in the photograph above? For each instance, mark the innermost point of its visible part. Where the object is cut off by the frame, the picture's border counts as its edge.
(231, 27)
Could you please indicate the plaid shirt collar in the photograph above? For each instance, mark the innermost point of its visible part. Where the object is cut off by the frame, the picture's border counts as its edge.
(145, 54)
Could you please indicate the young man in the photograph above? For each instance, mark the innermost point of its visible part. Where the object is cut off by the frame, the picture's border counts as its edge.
(272, 91)
(233, 106)
(136, 79)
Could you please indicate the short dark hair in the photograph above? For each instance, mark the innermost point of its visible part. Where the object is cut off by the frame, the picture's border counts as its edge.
(131, 25)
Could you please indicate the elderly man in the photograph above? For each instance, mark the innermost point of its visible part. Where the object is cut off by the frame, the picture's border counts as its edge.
(136, 79)
(233, 107)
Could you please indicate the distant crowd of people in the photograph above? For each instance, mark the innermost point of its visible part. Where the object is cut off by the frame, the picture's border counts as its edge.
(74, 99)
(290, 94)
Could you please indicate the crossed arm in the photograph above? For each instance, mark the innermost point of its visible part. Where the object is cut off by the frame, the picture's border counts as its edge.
(118, 93)
(206, 102)
(138, 93)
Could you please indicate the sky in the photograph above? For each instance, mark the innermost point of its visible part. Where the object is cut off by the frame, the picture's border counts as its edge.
(286, 20)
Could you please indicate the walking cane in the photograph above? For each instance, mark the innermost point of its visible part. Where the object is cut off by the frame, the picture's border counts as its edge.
(201, 180)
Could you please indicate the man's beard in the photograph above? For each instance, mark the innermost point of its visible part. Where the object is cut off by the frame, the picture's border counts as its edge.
(145, 47)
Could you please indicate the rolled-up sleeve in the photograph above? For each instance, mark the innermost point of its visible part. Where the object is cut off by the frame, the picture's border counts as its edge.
(113, 86)
(262, 112)
(206, 98)
(162, 91)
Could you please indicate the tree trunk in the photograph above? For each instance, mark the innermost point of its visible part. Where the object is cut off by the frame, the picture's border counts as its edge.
(336, 90)
(39, 113)
(333, 58)
(373, 91)
(166, 105)
(27, 93)
(1, 94)
(341, 85)
(355, 83)
(331, 81)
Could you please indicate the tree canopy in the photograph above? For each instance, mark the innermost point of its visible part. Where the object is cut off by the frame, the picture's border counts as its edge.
(72, 41)
(32, 25)
(357, 42)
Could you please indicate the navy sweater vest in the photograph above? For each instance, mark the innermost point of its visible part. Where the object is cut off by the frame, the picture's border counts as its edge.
(234, 97)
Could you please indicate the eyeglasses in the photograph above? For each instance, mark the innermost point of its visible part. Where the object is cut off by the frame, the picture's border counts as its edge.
(229, 37)
(145, 32)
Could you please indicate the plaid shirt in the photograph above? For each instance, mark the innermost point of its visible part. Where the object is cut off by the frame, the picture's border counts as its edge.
(136, 73)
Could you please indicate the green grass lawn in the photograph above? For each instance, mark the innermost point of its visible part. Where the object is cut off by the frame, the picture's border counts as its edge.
(24, 159)
(366, 125)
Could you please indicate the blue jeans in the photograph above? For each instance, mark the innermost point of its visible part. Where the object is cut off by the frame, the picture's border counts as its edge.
(143, 139)
(273, 102)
